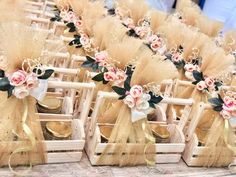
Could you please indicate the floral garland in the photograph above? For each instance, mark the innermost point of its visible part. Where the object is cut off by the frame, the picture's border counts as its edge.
(74, 24)
(23, 82)
(176, 56)
(226, 106)
(107, 73)
(205, 83)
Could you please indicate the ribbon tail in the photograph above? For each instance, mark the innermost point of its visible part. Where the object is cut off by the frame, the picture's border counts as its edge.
(31, 138)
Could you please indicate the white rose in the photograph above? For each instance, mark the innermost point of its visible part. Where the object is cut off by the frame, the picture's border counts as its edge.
(20, 92)
(129, 100)
(84, 40)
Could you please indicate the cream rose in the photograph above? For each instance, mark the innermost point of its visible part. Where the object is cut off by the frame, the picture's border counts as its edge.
(20, 92)
(155, 46)
(129, 100)
(136, 91)
(32, 81)
(84, 40)
(110, 76)
(101, 56)
(225, 114)
(201, 85)
(189, 67)
(142, 102)
(18, 78)
(189, 75)
(78, 23)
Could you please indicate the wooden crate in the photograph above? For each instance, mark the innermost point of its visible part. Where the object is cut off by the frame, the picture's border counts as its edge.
(193, 149)
(57, 151)
(165, 152)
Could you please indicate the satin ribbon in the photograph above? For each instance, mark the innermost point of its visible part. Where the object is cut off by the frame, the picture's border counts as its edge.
(226, 133)
(29, 135)
(151, 142)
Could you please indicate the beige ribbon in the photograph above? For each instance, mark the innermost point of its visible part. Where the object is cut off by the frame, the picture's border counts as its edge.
(31, 138)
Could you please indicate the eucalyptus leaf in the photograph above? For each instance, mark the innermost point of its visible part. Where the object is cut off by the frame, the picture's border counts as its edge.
(218, 108)
(47, 74)
(90, 59)
(119, 90)
(198, 76)
(87, 64)
(152, 105)
(4, 84)
(9, 91)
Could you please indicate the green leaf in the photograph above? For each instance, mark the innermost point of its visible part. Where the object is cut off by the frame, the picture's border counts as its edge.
(90, 59)
(2, 73)
(105, 82)
(127, 84)
(198, 76)
(95, 66)
(70, 25)
(4, 84)
(215, 101)
(152, 105)
(119, 90)
(9, 91)
(47, 74)
(218, 108)
(98, 77)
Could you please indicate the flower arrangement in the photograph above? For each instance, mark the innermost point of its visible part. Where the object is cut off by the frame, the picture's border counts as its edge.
(205, 83)
(156, 43)
(176, 56)
(22, 83)
(226, 106)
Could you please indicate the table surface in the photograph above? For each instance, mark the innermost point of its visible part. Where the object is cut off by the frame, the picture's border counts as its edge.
(84, 169)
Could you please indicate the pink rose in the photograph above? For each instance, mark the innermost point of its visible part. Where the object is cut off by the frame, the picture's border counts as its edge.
(78, 23)
(31, 81)
(176, 57)
(20, 92)
(225, 114)
(155, 46)
(228, 108)
(18, 78)
(109, 76)
(228, 101)
(201, 85)
(84, 40)
(101, 56)
(153, 38)
(129, 100)
(136, 91)
(210, 82)
(189, 67)
(71, 15)
(120, 77)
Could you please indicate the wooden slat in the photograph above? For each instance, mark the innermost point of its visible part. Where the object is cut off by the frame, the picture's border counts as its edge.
(160, 148)
(65, 145)
(64, 157)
